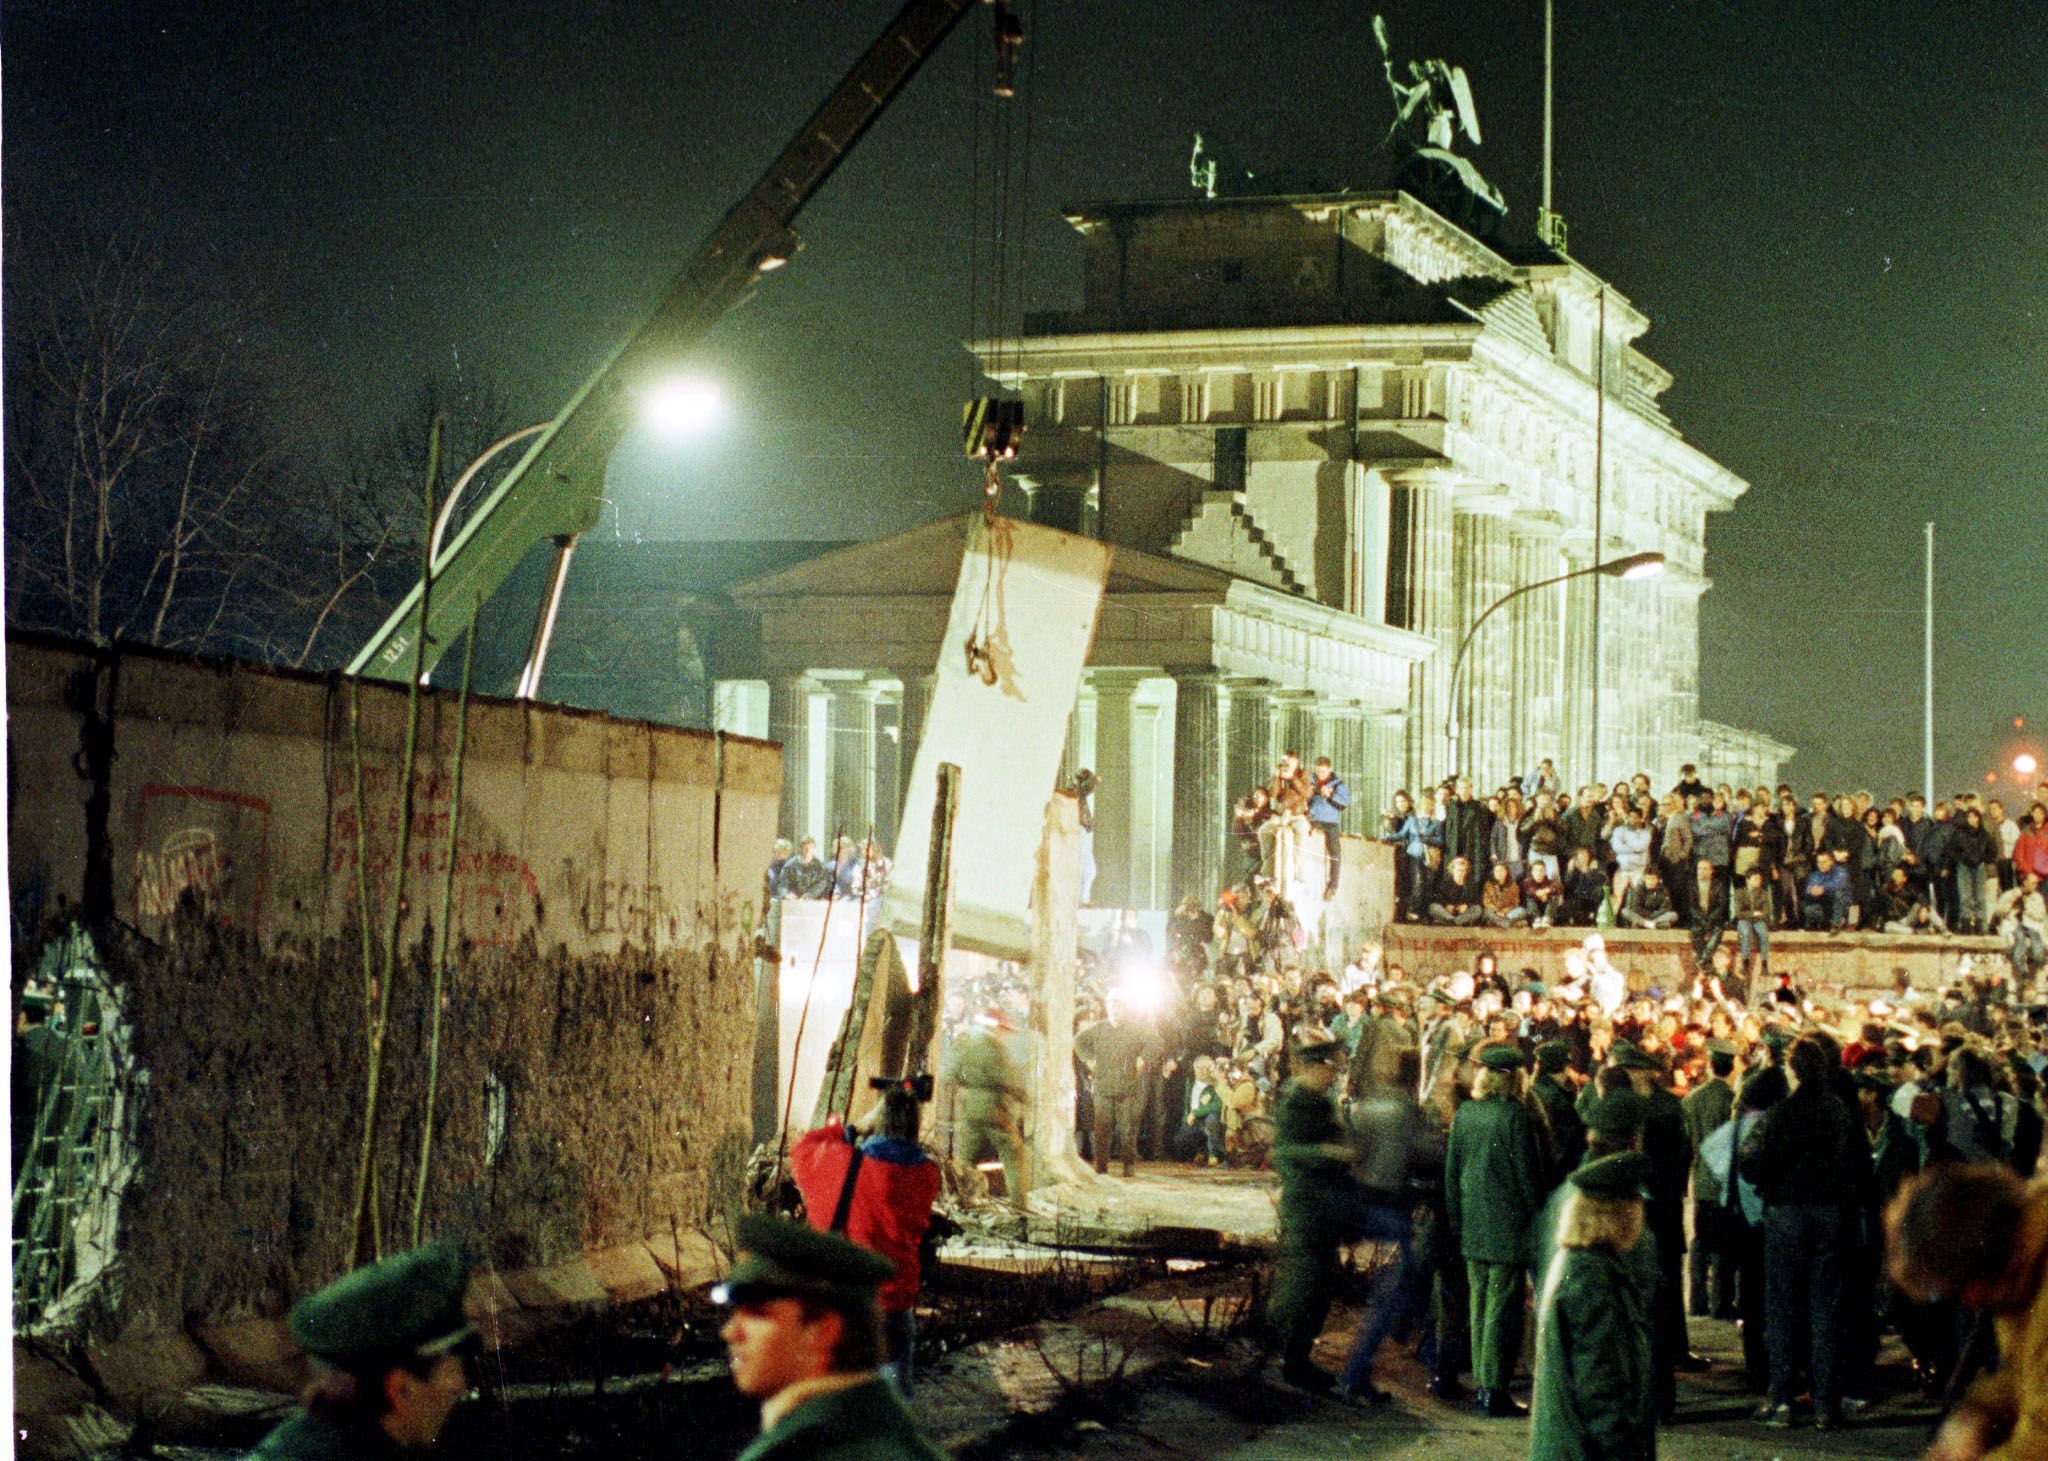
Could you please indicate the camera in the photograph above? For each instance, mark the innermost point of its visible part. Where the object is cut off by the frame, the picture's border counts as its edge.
(917, 1087)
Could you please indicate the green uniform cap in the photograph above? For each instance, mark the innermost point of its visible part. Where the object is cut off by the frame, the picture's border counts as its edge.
(1778, 1036)
(1553, 1055)
(1536, 987)
(1439, 996)
(1630, 1056)
(1319, 1052)
(36, 999)
(1618, 1115)
(407, 1305)
(1621, 1175)
(1501, 1057)
(1722, 1047)
(782, 1258)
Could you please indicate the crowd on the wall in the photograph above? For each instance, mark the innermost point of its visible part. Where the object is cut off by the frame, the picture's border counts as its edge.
(1717, 860)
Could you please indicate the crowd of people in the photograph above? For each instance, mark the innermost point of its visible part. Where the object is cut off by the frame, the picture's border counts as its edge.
(1729, 1145)
(1775, 1133)
(1720, 860)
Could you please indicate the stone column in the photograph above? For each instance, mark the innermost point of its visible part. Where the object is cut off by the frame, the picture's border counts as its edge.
(789, 721)
(1489, 667)
(1575, 751)
(1431, 610)
(1294, 723)
(889, 767)
(1250, 736)
(1370, 538)
(914, 706)
(1117, 767)
(1534, 637)
(1340, 735)
(1201, 791)
(1150, 815)
(1386, 751)
(851, 720)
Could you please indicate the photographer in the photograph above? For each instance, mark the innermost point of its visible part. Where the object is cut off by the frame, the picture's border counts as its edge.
(879, 1192)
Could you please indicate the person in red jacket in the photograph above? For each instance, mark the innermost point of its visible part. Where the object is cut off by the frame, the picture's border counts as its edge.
(878, 1191)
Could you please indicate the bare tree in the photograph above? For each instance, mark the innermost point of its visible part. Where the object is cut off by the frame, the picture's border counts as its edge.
(363, 525)
(134, 453)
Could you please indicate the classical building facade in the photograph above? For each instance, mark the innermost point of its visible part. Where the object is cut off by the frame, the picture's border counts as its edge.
(1326, 434)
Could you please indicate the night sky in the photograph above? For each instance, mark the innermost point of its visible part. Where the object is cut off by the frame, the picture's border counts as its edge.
(1833, 215)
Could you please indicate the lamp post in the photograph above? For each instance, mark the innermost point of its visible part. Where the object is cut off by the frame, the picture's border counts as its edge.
(1633, 566)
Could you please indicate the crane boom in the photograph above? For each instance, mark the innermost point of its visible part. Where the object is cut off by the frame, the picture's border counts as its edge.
(554, 489)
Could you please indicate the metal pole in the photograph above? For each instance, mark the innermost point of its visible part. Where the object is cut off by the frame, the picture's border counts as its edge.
(544, 624)
(1599, 518)
(1548, 7)
(1927, 676)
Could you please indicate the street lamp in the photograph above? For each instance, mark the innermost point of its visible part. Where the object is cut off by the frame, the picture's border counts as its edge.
(677, 406)
(1631, 568)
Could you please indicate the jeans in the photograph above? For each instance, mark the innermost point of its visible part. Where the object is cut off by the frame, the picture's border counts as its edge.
(2029, 952)
(1508, 919)
(1663, 920)
(1393, 1295)
(1803, 1296)
(1753, 935)
(1970, 899)
(1826, 913)
(1440, 914)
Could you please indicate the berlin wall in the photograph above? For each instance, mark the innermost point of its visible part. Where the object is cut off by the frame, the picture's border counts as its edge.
(597, 1026)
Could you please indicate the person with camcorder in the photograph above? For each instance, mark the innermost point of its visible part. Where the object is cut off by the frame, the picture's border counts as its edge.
(877, 1188)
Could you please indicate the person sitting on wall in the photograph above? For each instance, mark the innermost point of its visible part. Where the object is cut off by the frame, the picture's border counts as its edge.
(1456, 896)
(803, 876)
(388, 1346)
(879, 1192)
(1647, 903)
(1824, 897)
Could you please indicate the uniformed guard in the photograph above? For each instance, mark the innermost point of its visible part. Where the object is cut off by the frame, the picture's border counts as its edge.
(1706, 1109)
(1321, 1208)
(804, 1337)
(387, 1344)
(1567, 1131)
(1592, 1400)
(1670, 1155)
(988, 1094)
(1491, 1167)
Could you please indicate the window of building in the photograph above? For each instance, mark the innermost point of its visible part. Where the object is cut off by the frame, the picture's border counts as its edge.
(1230, 458)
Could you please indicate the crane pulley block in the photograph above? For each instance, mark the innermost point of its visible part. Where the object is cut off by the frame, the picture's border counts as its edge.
(990, 427)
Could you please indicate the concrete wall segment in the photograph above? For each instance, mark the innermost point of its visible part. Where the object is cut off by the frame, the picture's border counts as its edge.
(597, 1030)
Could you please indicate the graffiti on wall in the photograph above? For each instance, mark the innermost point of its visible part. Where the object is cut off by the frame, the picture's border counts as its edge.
(497, 896)
(202, 846)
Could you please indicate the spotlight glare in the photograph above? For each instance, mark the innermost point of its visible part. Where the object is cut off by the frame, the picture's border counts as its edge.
(681, 406)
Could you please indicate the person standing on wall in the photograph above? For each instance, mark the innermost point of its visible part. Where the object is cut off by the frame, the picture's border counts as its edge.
(1326, 804)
